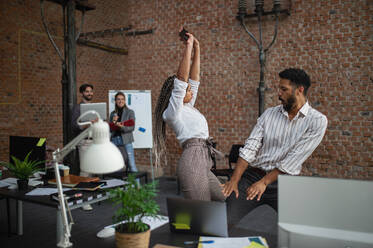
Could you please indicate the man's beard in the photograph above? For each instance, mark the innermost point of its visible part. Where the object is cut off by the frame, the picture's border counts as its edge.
(289, 104)
(87, 98)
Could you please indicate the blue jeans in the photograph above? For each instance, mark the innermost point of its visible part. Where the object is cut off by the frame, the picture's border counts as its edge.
(131, 157)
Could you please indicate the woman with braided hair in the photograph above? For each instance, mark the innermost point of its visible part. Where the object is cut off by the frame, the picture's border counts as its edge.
(175, 107)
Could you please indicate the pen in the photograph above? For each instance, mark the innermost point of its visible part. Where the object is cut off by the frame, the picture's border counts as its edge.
(198, 242)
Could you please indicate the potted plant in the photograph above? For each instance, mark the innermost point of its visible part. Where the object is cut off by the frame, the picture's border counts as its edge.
(135, 202)
(22, 170)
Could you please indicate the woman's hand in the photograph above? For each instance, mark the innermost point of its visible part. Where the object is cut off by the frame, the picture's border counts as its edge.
(190, 41)
(229, 187)
(196, 43)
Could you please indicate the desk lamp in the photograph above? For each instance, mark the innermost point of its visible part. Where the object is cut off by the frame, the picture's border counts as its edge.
(101, 157)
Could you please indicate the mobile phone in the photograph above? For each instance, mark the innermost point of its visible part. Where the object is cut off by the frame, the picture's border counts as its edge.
(183, 34)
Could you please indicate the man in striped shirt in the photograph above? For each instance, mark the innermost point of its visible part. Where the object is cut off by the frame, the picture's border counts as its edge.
(282, 139)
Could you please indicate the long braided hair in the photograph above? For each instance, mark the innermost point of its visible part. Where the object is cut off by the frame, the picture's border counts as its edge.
(160, 125)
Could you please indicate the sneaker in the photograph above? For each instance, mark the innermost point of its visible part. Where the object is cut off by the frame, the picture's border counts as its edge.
(87, 207)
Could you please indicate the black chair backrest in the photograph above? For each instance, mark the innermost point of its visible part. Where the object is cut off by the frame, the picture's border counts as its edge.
(234, 153)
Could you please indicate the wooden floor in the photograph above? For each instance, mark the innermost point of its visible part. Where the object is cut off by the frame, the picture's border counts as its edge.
(40, 222)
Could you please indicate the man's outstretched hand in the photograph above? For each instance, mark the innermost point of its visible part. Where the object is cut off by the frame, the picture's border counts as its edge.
(256, 189)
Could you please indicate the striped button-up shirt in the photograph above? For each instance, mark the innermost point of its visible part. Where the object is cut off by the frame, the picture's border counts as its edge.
(278, 142)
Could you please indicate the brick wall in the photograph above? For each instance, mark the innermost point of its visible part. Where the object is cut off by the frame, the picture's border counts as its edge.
(331, 40)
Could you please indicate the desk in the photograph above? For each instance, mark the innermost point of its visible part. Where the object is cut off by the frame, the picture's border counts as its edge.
(20, 196)
(162, 235)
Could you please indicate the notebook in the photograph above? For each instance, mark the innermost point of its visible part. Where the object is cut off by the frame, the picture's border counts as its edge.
(197, 217)
(99, 107)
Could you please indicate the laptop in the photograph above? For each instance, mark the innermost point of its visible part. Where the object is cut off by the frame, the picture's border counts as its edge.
(99, 107)
(197, 217)
(324, 212)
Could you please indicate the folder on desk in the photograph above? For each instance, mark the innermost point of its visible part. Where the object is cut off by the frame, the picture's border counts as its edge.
(234, 242)
(72, 180)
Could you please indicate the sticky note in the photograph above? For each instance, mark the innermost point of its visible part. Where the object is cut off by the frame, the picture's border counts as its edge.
(181, 226)
(41, 141)
(182, 221)
(255, 245)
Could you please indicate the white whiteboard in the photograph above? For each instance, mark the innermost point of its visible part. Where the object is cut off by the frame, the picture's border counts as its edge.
(140, 102)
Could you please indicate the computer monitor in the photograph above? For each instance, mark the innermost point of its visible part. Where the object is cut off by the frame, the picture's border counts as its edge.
(324, 212)
(20, 146)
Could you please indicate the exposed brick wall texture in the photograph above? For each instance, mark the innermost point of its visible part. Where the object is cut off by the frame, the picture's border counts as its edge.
(331, 40)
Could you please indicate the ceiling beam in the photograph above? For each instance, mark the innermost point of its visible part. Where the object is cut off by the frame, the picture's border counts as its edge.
(81, 5)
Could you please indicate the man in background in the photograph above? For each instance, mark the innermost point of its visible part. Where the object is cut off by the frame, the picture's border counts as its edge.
(86, 91)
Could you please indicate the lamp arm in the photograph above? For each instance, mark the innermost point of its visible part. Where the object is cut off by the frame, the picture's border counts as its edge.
(65, 240)
(60, 154)
(87, 122)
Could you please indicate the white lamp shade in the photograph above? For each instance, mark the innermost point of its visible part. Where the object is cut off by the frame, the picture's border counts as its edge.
(102, 156)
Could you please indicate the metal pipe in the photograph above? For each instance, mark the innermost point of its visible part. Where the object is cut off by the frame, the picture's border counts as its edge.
(259, 12)
(47, 30)
(71, 53)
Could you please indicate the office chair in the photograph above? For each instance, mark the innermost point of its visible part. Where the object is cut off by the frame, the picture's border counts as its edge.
(232, 159)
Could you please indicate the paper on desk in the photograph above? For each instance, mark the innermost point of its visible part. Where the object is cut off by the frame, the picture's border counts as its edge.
(113, 183)
(34, 182)
(152, 222)
(44, 191)
(9, 180)
(13, 181)
(2, 184)
(240, 242)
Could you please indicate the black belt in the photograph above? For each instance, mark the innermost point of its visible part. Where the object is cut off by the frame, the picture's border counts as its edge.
(257, 170)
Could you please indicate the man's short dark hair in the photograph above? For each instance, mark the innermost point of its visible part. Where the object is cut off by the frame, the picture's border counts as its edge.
(83, 87)
(297, 77)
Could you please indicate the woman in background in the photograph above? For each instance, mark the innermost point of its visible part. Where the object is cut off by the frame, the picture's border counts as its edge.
(175, 107)
(122, 125)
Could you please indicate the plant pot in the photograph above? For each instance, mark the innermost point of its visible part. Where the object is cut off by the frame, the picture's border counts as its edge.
(132, 240)
(22, 184)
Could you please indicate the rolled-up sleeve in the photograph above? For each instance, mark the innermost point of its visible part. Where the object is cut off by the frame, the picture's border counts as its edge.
(194, 88)
(254, 142)
(176, 100)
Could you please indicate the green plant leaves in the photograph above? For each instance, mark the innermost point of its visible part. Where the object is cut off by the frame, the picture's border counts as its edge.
(135, 202)
(22, 169)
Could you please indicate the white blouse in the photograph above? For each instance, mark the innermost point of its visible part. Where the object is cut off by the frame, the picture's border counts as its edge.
(186, 121)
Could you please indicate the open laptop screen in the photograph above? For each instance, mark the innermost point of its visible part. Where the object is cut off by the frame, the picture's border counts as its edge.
(197, 217)
(99, 107)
